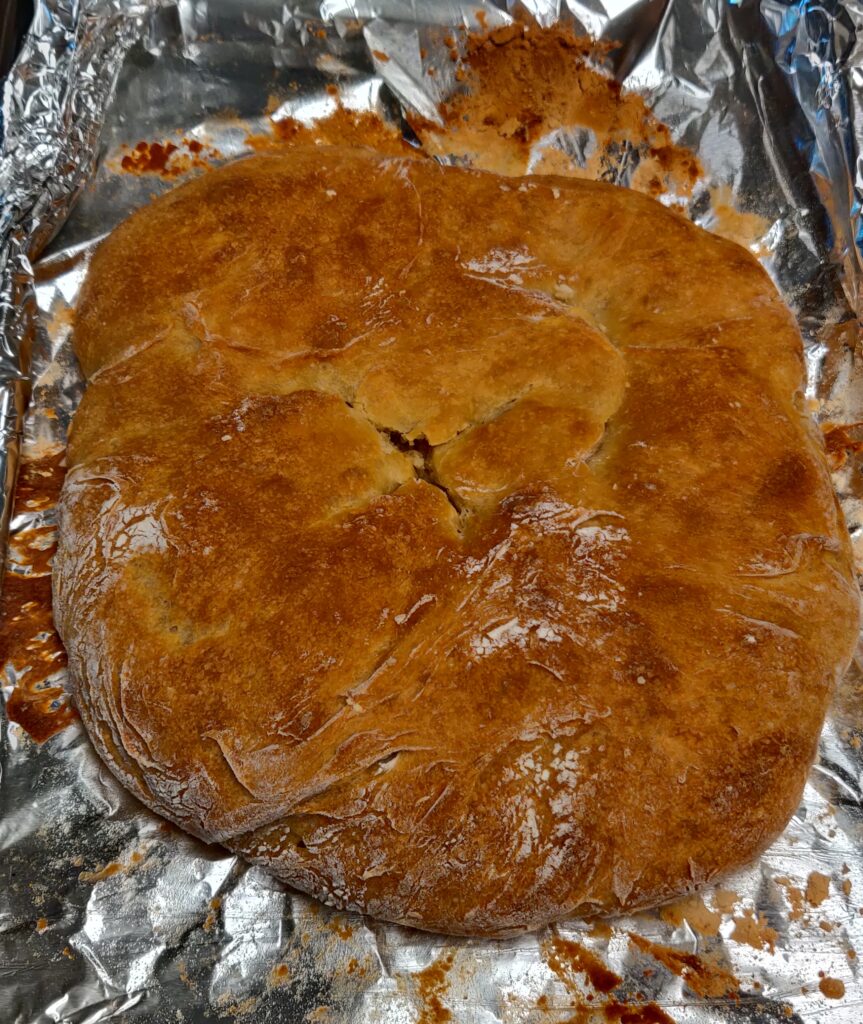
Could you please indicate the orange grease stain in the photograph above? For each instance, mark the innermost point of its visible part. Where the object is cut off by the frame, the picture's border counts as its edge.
(114, 868)
(705, 979)
(28, 641)
(432, 983)
(754, 931)
(342, 127)
(523, 84)
(833, 988)
(168, 159)
(567, 958)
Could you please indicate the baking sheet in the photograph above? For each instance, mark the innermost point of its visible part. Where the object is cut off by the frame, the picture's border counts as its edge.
(106, 913)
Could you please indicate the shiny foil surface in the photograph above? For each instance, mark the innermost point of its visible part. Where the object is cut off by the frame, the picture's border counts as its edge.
(108, 913)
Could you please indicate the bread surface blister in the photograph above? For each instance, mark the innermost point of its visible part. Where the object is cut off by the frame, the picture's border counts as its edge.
(456, 546)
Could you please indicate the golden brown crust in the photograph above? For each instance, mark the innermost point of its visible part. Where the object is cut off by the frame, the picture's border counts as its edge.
(456, 547)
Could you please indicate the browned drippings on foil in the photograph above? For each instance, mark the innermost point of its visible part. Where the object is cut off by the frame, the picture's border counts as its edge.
(832, 988)
(752, 929)
(280, 976)
(706, 979)
(725, 900)
(840, 442)
(627, 1013)
(567, 958)
(212, 917)
(817, 888)
(794, 895)
(570, 960)
(100, 874)
(168, 159)
(114, 867)
(695, 913)
(28, 641)
(523, 83)
(741, 226)
(432, 984)
(614, 1012)
(600, 929)
(342, 127)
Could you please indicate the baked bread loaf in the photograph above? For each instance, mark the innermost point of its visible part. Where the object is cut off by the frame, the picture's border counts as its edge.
(456, 546)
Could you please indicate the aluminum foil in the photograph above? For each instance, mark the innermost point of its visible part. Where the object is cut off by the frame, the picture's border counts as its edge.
(106, 913)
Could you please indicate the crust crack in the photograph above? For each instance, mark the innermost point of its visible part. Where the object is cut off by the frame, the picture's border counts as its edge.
(421, 454)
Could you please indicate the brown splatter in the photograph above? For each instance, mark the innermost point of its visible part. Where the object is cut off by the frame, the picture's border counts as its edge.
(183, 974)
(242, 1008)
(744, 228)
(817, 888)
(342, 127)
(65, 951)
(344, 930)
(381, 56)
(27, 635)
(523, 83)
(113, 868)
(279, 976)
(795, 898)
(61, 318)
(600, 929)
(212, 916)
(725, 900)
(432, 983)
(42, 925)
(753, 930)
(840, 441)
(32, 550)
(697, 915)
(168, 159)
(148, 157)
(704, 978)
(852, 954)
(136, 858)
(567, 958)
(833, 988)
(626, 1013)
